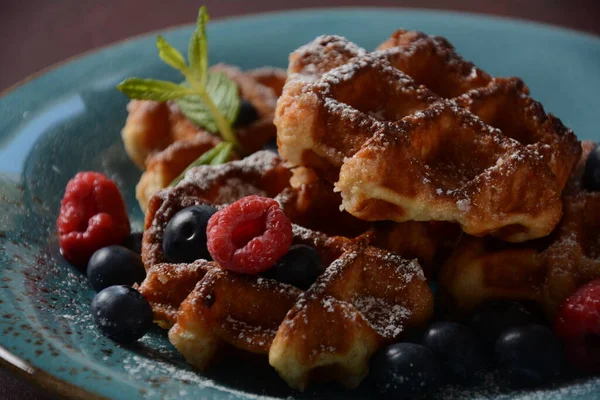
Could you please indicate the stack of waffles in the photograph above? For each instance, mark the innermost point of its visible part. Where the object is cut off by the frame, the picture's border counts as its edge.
(398, 166)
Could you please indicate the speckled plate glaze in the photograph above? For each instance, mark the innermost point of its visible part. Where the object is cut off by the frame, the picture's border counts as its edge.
(69, 120)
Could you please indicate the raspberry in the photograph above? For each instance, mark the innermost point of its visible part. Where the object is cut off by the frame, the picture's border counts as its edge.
(92, 215)
(578, 325)
(250, 235)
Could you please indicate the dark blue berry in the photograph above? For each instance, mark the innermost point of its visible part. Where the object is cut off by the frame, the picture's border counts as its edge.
(134, 242)
(404, 370)
(184, 240)
(458, 348)
(247, 115)
(300, 267)
(114, 265)
(271, 145)
(494, 318)
(121, 313)
(529, 355)
(591, 173)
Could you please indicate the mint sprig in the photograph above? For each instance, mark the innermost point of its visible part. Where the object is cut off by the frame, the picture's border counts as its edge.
(169, 54)
(209, 99)
(223, 92)
(198, 47)
(217, 155)
(152, 89)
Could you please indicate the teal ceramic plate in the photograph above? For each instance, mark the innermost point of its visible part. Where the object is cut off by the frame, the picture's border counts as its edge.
(69, 120)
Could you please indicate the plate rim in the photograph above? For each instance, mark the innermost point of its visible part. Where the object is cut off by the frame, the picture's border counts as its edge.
(45, 380)
(308, 10)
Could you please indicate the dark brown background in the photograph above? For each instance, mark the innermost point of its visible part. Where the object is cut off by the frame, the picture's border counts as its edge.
(37, 33)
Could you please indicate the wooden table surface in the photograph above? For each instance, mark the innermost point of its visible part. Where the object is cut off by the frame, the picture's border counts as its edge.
(35, 34)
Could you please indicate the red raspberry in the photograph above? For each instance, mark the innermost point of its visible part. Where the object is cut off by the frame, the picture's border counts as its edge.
(250, 235)
(92, 215)
(578, 325)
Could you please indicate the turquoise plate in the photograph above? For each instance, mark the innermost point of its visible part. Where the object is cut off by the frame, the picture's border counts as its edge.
(69, 119)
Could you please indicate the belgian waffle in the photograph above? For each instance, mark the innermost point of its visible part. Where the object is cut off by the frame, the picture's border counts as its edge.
(545, 271)
(366, 297)
(307, 200)
(311, 202)
(161, 140)
(414, 132)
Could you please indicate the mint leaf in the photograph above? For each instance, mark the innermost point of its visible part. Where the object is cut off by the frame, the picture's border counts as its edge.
(197, 50)
(152, 89)
(170, 54)
(205, 159)
(223, 92)
(223, 155)
(211, 100)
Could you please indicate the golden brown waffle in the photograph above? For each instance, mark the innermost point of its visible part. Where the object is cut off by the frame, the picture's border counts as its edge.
(398, 131)
(273, 78)
(310, 202)
(167, 285)
(151, 127)
(307, 200)
(366, 298)
(163, 167)
(262, 173)
(545, 271)
(370, 294)
(161, 140)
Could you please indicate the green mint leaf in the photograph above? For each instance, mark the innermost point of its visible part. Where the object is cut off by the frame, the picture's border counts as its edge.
(223, 92)
(205, 159)
(170, 54)
(223, 155)
(198, 47)
(151, 89)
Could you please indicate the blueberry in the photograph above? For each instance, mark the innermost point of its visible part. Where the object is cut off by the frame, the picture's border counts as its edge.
(591, 173)
(404, 370)
(300, 267)
(114, 265)
(247, 115)
(529, 355)
(184, 240)
(271, 145)
(134, 242)
(121, 313)
(458, 348)
(494, 318)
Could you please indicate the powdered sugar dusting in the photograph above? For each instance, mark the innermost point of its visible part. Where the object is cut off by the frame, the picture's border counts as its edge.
(491, 386)
(206, 176)
(234, 189)
(252, 334)
(134, 364)
(463, 205)
(386, 318)
(322, 54)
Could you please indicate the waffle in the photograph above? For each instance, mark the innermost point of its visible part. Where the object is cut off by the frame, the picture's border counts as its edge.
(545, 271)
(166, 165)
(262, 173)
(161, 140)
(366, 298)
(306, 199)
(391, 129)
(311, 202)
(273, 78)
